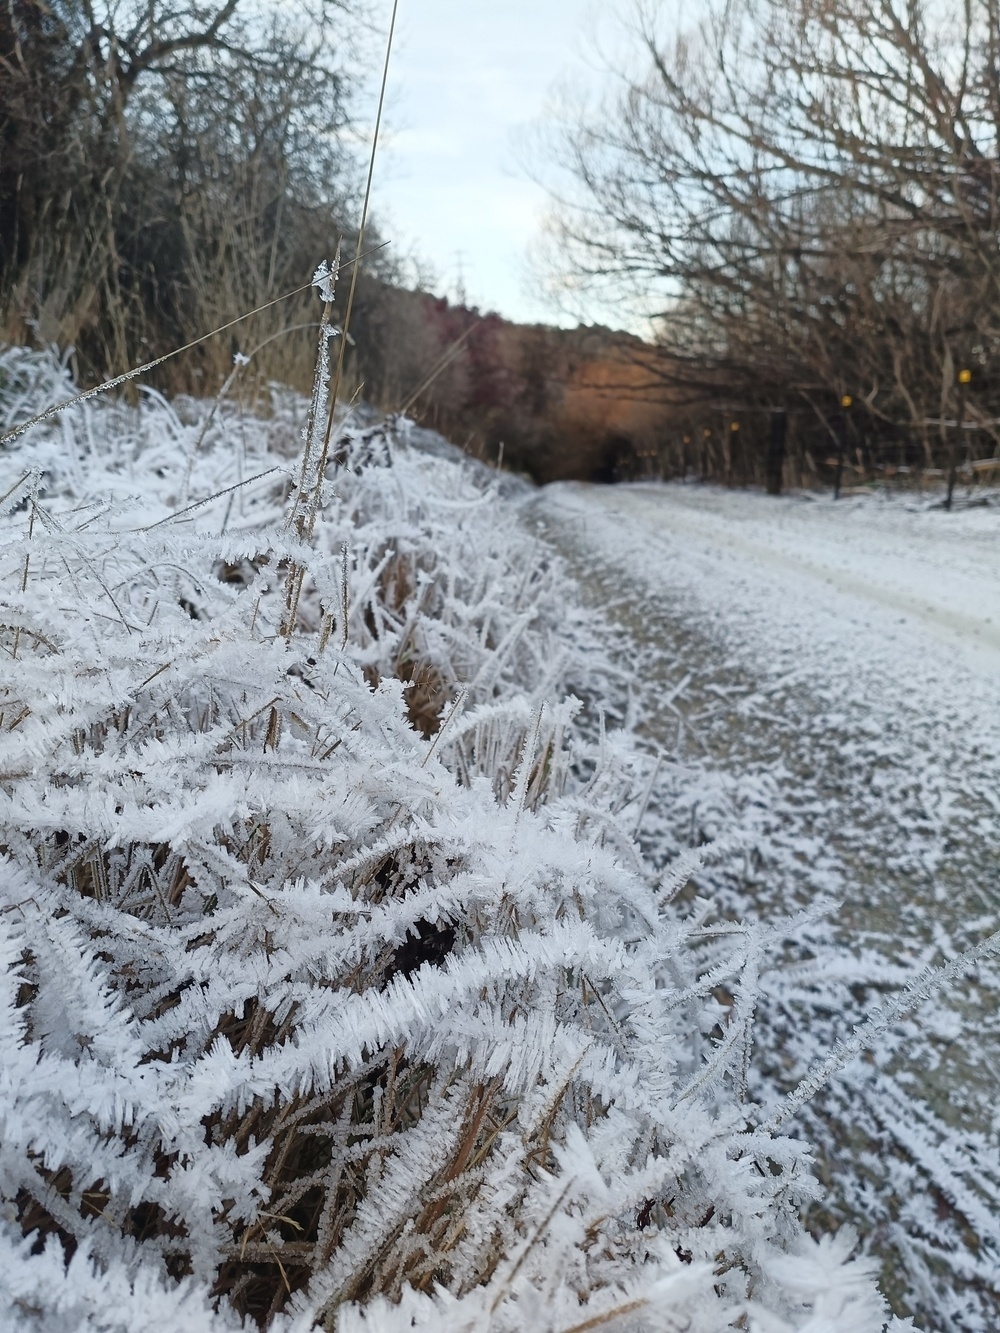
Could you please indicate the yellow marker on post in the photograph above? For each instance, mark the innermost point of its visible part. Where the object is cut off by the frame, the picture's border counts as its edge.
(964, 378)
(846, 402)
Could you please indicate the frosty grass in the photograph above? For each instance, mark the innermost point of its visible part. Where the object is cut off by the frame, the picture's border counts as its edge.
(316, 1016)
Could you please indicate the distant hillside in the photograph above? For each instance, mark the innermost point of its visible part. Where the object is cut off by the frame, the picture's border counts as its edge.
(557, 403)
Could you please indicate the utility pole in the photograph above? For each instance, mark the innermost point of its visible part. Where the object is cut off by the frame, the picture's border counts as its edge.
(846, 403)
(964, 380)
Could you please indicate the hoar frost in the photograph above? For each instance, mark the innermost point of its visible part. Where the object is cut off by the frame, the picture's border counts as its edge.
(335, 990)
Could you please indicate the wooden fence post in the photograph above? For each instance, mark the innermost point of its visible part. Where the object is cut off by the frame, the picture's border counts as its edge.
(964, 379)
(776, 452)
(846, 403)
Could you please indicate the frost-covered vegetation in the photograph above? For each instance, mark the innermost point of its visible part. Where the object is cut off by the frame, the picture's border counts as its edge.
(336, 991)
(796, 741)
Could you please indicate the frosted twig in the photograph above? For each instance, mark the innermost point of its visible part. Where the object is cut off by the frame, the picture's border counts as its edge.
(198, 504)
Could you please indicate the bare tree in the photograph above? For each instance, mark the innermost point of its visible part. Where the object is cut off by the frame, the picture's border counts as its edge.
(806, 196)
(164, 164)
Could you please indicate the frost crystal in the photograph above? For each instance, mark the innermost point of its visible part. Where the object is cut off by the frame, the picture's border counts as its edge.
(325, 279)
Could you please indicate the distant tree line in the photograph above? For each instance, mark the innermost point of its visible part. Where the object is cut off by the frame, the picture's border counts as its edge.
(165, 167)
(549, 402)
(806, 198)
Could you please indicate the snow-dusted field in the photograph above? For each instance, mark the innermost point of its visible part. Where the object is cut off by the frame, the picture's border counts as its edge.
(824, 679)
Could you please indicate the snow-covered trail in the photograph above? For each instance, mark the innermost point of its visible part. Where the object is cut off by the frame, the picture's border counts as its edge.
(880, 576)
(825, 679)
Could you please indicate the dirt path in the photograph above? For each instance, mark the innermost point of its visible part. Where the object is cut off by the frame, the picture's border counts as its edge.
(823, 681)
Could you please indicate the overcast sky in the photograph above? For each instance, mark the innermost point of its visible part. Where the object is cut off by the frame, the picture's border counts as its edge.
(466, 77)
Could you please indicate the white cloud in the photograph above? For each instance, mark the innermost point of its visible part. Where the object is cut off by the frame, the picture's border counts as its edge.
(465, 78)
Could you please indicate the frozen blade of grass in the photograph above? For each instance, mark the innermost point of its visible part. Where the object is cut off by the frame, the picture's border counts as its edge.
(456, 708)
(200, 504)
(57, 408)
(319, 398)
(15, 494)
(318, 406)
(866, 1034)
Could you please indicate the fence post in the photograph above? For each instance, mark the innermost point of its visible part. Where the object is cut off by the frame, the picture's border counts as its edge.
(732, 441)
(776, 451)
(846, 404)
(964, 379)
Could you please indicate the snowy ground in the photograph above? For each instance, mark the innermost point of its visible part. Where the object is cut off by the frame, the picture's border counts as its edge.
(824, 679)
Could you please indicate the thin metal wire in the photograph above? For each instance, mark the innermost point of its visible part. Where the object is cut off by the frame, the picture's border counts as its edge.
(56, 408)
